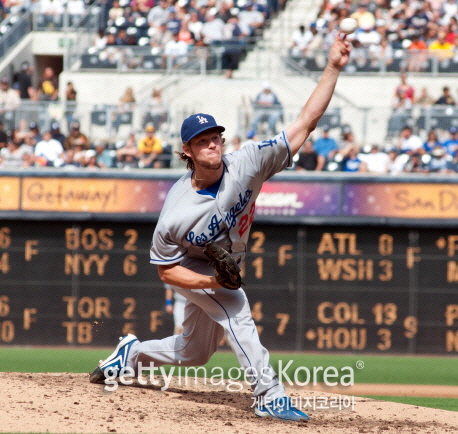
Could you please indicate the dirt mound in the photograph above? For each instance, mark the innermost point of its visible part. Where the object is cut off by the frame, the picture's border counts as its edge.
(68, 403)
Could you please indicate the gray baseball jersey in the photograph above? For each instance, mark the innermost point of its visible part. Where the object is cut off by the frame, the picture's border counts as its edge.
(189, 219)
(224, 213)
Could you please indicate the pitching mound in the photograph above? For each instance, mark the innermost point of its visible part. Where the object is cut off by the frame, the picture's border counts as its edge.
(68, 403)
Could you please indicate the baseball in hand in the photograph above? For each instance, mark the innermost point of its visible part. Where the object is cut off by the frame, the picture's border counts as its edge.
(348, 25)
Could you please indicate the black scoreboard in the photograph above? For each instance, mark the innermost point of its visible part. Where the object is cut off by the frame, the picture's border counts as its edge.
(315, 288)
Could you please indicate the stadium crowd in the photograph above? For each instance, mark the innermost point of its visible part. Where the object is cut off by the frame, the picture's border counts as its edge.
(179, 25)
(409, 154)
(28, 147)
(423, 28)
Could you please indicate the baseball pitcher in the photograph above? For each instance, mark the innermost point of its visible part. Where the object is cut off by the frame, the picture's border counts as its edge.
(202, 236)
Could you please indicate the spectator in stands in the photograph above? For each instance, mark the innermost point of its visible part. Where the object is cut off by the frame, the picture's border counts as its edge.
(173, 23)
(111, 41)
(301, 38)
(316, 43)
(24, 82)
(431, 141)
(395, 165)
(213, 28)
(91, 159)
(129, 147)
(430, 34)
(351, 161)
(368, 36)
(121, 37)
(409, 141)
(79, 153)
(48, 151)
(439, 160)
(159, 14)
(446, 98)
(195, 27)
(76, 137)
(425, 99)
(56, 134)
(376, 161)
(28, 160)
(452, 30)
(418, 17)
(53, 11)
(326, 147)
(48, 86)
(104, 156)
(401, 102)
(233, 38)
(9, 102)
(440, 48)
(308, 158)
(417, 54)
(451, 144)
(159, 38)
(364, 17)
(224, 10)
(149, 148)
(267, 108)
(70, 92)
(115, 12)
(12, 155)
(409, 91)
(184, 34)
(175, 53)
(449, 10)
(75, 8)
(251, 19)
(100, 40)
(415, 164)
(35, 134)
(143, 6)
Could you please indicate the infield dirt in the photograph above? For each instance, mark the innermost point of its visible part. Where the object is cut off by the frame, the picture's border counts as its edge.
(68, 403)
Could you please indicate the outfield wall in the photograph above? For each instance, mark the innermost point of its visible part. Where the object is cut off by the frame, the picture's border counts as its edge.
(334, 263)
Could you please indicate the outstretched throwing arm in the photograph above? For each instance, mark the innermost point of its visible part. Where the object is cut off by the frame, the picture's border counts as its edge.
(318, 101)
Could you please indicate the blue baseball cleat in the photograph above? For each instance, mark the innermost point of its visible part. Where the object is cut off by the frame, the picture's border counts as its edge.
(282, 409)
(111, 367)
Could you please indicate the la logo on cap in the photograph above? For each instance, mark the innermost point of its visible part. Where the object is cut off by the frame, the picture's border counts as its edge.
(202, 120)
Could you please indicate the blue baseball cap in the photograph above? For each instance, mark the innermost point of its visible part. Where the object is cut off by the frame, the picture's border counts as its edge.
(196, 124)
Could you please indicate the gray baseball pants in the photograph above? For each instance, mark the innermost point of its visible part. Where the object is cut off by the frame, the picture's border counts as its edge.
(210, 315)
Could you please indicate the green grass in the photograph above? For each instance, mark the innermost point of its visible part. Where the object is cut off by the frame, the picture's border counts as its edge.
(441, 403)
(377, 369)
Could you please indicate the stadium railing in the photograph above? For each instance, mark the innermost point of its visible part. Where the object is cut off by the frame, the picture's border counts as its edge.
(363, 62)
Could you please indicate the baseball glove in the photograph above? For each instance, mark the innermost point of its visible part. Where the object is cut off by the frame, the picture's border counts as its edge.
(227, 271)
